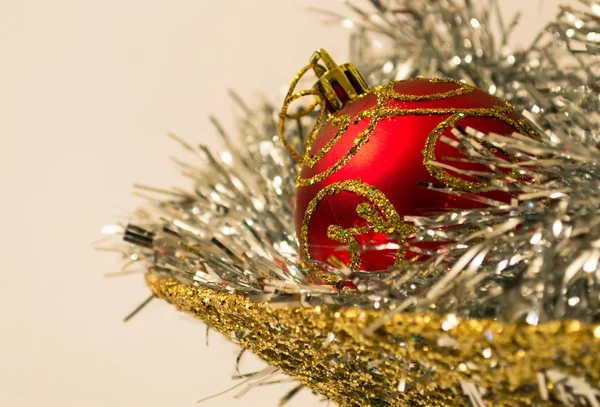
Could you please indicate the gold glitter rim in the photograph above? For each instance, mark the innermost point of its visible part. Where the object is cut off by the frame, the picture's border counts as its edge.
(393, 226)
(356, 370)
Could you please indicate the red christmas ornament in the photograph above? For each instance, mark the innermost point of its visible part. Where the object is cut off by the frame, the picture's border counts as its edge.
(361, 169)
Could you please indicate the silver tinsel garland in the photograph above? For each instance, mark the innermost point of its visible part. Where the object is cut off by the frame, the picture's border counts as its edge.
(534, 260)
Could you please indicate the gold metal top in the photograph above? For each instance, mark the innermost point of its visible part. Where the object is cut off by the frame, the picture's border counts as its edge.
(339, 84)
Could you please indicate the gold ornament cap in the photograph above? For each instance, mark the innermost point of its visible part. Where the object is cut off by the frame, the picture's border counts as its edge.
(339, 84)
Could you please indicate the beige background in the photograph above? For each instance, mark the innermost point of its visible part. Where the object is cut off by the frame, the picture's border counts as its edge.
(88, 90)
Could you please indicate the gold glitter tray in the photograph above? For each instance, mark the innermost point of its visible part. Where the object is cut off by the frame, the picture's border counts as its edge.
(412, 360)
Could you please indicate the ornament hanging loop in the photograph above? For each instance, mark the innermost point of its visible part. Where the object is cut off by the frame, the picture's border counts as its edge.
(293, 96)
(337, 86)
(322, 56)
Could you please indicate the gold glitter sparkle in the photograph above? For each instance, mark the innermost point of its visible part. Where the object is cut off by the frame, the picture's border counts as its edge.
(504, 358)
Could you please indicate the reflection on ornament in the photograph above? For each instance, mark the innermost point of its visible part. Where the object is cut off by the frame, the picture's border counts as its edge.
(377, 212)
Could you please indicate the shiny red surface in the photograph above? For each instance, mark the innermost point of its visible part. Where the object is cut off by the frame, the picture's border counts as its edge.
(391, 161)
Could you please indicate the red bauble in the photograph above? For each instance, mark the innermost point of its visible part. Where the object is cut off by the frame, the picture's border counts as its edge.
(360, 174)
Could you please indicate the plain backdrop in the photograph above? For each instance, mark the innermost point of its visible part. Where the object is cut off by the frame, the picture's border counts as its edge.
(88, 91)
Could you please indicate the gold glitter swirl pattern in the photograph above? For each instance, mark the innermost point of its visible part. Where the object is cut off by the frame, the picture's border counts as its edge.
(441, 174)
(371, 212)
(348, 236)
(423, 359)
(360, 140)
(342, 122)
(383, 93)
(380, 112)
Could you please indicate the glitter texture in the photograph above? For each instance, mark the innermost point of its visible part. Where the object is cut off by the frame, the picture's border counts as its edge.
(432, 353)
